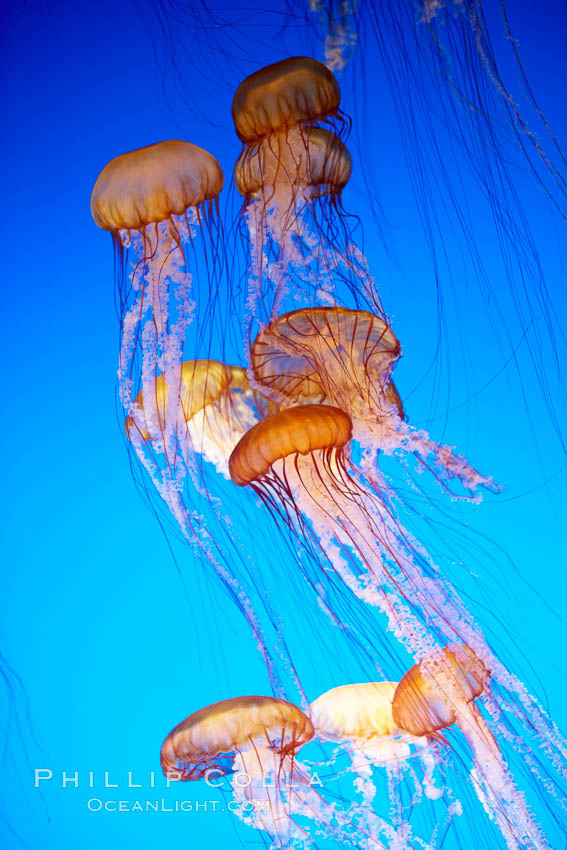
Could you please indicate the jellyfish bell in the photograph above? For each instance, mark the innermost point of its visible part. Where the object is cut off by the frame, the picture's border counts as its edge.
(154, 183)
(338, 355)
(345, 358)
(140, 190)
(307, 163)
(296, 431)
(360, 716)
(240, 725)
(298, 90)
(427, 702)
(152, 200)
(202, 382)
(329, 356)
(355, 712)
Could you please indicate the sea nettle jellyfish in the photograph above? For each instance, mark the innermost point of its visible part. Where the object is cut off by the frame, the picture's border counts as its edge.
(255, 739)
(331, 355)
(159, 203)
(441, 692)
(291, 174)
(295, 460)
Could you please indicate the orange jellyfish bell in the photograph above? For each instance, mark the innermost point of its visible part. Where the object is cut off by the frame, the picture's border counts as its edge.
(343, 357)
(423, 705)
(312, 161)
(201, 741)
(279, 96)
(297, 430)
(151, 184)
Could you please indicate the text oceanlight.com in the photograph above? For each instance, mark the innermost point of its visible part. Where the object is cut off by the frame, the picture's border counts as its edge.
(95, 804)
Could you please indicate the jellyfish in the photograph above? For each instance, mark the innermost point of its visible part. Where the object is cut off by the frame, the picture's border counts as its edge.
(255, 739)
(295, 460)
(291, 173)
(441, 692)
(345, 358)
(155, 201)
